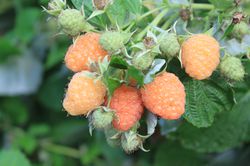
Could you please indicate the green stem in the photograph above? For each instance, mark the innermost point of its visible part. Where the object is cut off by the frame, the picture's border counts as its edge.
(149, 13)
(201, 6)
(59, 149)
(167, 24)
(155, 22)
(143, 16)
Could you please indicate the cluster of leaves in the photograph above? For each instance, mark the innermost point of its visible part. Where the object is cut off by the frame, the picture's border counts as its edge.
(33, 126)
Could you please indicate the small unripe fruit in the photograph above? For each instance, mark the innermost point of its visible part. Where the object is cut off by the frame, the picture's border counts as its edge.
(131, 142)
(110, 133)
(142, 61)
(169, 45)
(232, 68)
(113, 41)
(101, 119)
(72, 22)
(240, 30)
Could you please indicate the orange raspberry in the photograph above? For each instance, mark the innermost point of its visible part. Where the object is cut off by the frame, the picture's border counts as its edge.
(127, 105)
(84, 94)
(200, 56)
(85, 48)
(165, 96)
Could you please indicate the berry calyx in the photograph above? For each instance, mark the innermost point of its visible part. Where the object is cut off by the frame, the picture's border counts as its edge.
(131, 141)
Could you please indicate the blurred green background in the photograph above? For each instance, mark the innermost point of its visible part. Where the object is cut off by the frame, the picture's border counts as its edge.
(34, 130)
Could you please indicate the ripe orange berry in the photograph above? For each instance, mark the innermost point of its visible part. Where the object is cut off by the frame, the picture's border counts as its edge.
(200, 56)
(83, 95)
(85, 48)
(127, 105)
(165, 96)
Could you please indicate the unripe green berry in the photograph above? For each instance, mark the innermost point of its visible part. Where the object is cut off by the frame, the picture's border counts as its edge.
(142, 61)
(169, 45)
(110, 132)
(101, 119)
(113, 41)
(131, 142)
(240, 30)
(72, 22)
(232, 68)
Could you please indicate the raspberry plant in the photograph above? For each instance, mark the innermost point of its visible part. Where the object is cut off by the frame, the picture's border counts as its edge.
(171, 52)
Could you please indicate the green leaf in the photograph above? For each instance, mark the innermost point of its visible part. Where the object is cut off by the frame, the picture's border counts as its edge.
(222, 4)
(228, 31)
(134, 6)
(168, 126)
(118, 62)
(117, 12)
(96, 13)
(151, 123)
(26, 142)
(37, 130)
(136, 75)
(132, 73)
(5, 5)
(15, 109)
(204, 99)
(67, 131)
(55, 56)
(13, 158)
(100, 21)
(111, 82)
(156, 67)
(52, 90)
(77, 3)
(25, 30)
(7, 49)
(91, 155)
(173, 154)
(229, 130)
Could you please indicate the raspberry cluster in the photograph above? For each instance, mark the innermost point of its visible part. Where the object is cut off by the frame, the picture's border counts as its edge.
(119, 113)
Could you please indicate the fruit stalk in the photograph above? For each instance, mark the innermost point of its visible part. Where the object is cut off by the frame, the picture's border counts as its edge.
(155, 22)
(200, 6)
